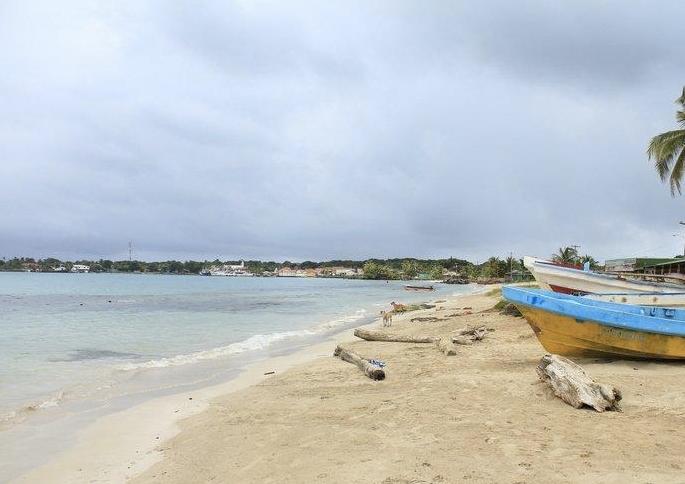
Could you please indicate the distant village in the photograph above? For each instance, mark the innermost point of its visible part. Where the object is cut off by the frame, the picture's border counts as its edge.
(451, 270)
(241, 270)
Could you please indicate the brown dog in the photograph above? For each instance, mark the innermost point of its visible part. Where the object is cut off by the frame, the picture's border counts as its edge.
(387, 318)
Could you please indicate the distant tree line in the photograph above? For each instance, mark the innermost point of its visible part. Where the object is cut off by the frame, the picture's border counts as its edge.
(388, 269)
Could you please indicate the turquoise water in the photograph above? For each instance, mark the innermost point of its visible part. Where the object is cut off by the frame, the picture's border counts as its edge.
(69, 338)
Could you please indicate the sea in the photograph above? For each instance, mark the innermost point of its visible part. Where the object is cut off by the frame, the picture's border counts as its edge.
(84, 344)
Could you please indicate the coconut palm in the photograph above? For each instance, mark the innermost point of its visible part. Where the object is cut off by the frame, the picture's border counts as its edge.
(668, 151)
(588, 258)
(566, 255)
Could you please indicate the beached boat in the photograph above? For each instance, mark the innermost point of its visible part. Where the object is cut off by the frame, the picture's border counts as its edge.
(579, 326)
(570, 280)
(419, 288)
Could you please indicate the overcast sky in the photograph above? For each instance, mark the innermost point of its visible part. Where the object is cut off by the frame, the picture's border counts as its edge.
(318, 130)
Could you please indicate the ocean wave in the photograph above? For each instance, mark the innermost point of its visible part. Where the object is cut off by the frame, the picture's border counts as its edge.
(253, 343)
(20, 415)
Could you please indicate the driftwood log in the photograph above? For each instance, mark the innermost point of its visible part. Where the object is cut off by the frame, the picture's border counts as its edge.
(426, 319)
(372, 371)
(469, 334)
(446, 346)
(371, 335)
(575, 387)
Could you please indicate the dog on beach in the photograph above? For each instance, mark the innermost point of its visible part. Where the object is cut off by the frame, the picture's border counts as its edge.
(387, 318)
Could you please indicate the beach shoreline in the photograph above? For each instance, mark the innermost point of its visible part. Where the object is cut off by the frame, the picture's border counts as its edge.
(141, 429)
(481, 416)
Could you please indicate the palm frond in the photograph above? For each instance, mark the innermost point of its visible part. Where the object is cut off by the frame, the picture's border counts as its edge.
(680, 117)
(677, 173)
(681, 99)
(663, 148)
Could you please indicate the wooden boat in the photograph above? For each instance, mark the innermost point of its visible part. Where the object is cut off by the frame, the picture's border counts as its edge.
(419, 288)
(670, 300)
(570, 280)
(578, 326)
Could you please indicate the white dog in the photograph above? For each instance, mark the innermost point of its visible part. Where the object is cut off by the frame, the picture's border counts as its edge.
(387, 318)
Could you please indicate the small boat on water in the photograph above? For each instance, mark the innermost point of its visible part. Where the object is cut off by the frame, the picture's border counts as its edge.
(582, 327)
(571, 280)
(419, 288)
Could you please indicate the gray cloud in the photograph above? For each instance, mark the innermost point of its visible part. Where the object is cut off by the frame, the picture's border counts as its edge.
(324, 129)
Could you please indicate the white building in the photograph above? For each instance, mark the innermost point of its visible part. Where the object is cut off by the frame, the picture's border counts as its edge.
(233, 270)
(80, 268)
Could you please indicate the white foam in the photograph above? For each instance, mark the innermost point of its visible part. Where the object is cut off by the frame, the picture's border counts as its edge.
(20, 415)
(253, 343)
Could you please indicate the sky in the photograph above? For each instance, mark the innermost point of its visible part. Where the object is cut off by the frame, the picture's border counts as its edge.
(308, 130)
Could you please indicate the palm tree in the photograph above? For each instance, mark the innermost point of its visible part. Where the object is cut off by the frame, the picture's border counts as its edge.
(566, 255)
(668, 151)
(588, 258)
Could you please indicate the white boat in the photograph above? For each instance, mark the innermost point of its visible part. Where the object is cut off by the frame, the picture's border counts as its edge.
(670, 300)
(570, 280)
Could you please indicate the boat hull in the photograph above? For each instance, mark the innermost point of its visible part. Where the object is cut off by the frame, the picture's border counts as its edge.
(566, 280)
(567, 336)
(582, 327)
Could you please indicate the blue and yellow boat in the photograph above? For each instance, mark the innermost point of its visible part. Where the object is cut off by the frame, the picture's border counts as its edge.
(577, 326)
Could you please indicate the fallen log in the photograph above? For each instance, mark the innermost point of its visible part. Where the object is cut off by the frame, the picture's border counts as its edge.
(372, 371)
(462, 340)
(426, 319)
(475, 333)
(447, 347)
(575, 387)
(371, 335)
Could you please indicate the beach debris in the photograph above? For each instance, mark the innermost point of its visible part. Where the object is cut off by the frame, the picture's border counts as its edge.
(371, 335)
(444, 344)
(470, 334)
(511, 310)
(269, 372)
(447, 347)
(372, 371)
(425, 319)
(573, 385)
(404, 308)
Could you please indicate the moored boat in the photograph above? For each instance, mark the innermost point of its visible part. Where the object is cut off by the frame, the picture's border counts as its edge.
(570, 280)
(419, 288)
(578, 326)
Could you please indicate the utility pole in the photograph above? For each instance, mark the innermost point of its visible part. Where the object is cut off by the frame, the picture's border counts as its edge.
(682, 223)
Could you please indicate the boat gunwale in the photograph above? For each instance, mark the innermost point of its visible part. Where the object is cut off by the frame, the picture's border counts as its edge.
(600, 312)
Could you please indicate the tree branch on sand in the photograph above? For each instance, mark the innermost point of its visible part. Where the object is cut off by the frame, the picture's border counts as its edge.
(371, 335)
(372, 371)
(575, 387)
(469, 334)
(444, 344)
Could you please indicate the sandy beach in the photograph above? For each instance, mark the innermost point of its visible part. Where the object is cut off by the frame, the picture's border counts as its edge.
(480, 416)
